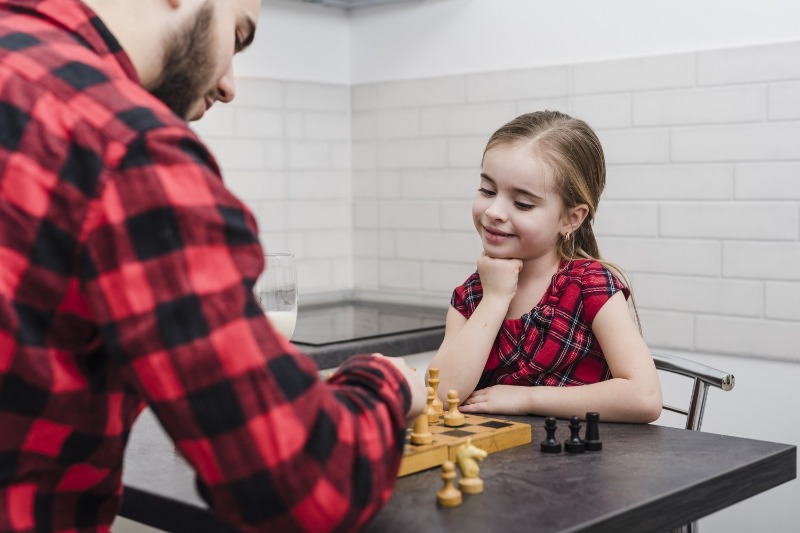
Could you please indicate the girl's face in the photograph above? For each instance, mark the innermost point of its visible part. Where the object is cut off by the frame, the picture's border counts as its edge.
(517, 212)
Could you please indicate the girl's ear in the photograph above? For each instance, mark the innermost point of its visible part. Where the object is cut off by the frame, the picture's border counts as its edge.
(575, 217)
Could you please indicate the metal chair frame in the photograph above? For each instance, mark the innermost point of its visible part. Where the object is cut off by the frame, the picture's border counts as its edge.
(704, 377)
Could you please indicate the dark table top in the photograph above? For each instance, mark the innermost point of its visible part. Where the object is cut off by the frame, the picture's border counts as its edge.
(646, 478)
(333, 331)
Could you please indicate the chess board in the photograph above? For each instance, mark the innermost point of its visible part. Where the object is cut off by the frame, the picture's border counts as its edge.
(490, 434)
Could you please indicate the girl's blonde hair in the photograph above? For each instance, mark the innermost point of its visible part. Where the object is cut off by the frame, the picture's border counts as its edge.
(575, 154)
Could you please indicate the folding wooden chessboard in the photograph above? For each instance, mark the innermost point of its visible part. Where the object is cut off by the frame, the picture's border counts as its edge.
(490, 434)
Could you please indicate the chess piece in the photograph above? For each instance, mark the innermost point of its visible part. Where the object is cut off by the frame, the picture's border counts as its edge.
(454, 418)
(468, 456)
(449, 496)
(433, 381)
(593, 443)
(421, 434)
(550, 444)
(433, 416)
(574, 444)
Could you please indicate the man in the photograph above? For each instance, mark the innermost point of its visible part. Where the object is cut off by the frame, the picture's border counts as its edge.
(126, 276)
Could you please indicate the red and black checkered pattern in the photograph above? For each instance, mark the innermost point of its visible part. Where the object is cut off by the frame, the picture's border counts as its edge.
(126, 275)
(553, 344)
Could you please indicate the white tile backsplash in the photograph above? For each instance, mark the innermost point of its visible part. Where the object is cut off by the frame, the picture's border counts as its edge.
(372, 185)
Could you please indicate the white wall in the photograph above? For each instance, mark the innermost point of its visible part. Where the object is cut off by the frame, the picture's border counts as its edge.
(424, 38)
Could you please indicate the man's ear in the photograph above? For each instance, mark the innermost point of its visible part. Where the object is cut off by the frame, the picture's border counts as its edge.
(575, 217)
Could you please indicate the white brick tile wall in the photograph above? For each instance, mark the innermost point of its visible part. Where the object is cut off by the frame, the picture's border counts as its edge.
(219, 121)
(466, 152)
(667, 330)
(762, 260)
(397, 274)
(259, 93)
(317, 96)
(398, 124)
(518, 84)
(327, 126)
(238, 154)
(752, 142)
(371, 185)
(294, 125)
(630, 146)
(312, 214)
(364, 125)
(745, 103)
(365, 155)
(669, 182)
(541, 104)
(389, 184)
(422, 93)
(699, 295)
(626, 218)
(783, 301)
(413, 153)
(259, 123)
(255, 185)
(750, 338)
(639, 74)
(665, 256)
(364, 184)
(318, 184)
(457, 216)
(365, 242)
(767, 181)
(445, 184)
(311, 155)
(729, 220)
(438, 246)
(749, 64)
(329, 244)
(365, 97)
(604, 111)
(442, 278)
(408, 215)
(365, 214)
(784, 101)
(467, 119)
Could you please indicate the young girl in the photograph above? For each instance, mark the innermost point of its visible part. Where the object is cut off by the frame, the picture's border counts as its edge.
(543, 313)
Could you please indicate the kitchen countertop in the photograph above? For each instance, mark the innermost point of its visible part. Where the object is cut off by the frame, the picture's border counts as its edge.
(331, 332)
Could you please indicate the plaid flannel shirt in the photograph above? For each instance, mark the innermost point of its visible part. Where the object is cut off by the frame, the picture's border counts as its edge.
(126, 276)
(553, 344)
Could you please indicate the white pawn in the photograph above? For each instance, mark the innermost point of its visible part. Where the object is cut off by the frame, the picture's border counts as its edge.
(454, 418)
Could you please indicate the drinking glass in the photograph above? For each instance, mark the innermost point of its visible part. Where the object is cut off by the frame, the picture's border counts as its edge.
(276, 292)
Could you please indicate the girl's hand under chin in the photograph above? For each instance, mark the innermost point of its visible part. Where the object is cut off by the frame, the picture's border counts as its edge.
(499, 276)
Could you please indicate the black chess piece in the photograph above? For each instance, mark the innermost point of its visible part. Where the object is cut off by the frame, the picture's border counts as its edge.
(574, 444)
(550, 444)
(593, 443)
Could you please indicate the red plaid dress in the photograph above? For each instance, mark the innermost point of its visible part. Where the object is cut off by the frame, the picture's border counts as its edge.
(553, 344)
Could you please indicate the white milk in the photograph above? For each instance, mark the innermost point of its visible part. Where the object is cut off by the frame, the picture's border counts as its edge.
(283, 321)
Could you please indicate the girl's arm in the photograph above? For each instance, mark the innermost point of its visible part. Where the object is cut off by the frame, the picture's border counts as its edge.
(467, 343)
(633, 394)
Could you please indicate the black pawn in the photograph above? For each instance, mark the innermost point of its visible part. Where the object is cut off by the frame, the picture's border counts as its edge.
(593, 443)
(574, 444)
(550, 444)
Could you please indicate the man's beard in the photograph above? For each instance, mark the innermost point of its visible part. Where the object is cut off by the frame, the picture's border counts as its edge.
(188, 66)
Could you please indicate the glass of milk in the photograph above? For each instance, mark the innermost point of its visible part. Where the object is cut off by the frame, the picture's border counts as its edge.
(276, 292)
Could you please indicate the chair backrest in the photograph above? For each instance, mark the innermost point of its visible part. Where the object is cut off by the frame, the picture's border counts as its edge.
(703, 376)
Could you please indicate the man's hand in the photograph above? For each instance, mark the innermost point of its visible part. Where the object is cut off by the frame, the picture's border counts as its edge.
(419, 392)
